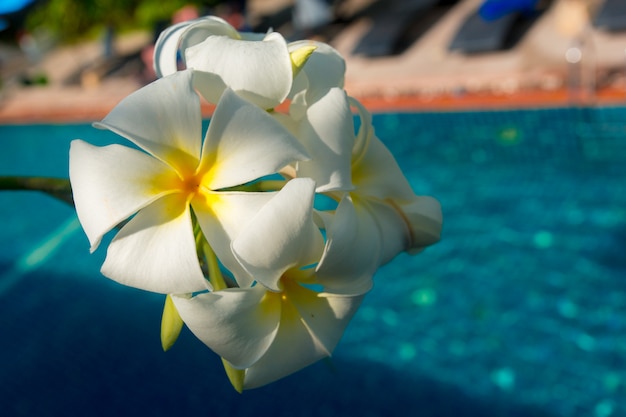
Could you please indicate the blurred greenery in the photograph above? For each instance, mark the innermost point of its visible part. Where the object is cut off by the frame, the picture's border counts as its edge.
(73, 20)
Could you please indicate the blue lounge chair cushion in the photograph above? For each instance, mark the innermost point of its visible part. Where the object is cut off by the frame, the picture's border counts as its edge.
(495, 9)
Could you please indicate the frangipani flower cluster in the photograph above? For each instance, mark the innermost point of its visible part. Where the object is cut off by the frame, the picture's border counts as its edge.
(264, 231)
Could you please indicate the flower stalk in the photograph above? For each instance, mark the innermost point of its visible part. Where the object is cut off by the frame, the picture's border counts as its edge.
(59, 188)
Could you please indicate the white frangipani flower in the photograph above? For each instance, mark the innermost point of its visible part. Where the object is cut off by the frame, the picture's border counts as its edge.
(247, 200)
(177, 173)
(281, 324)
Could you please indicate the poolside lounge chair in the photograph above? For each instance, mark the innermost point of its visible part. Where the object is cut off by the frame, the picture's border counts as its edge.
(389, 25)
(486, 30)
(480, 35)
(611, 16)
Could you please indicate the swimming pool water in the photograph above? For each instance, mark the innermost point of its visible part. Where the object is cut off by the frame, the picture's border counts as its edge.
(520, 310)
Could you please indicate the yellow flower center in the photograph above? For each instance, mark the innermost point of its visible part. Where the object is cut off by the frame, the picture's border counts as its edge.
(190, 186)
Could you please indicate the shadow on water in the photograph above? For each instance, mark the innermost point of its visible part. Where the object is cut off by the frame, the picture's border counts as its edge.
(79, 346)
(611, 254)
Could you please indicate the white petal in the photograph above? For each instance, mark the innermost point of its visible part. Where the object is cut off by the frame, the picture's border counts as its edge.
(301, 340)
(380, 181)
(222, 216)
(111, 183)
(237, 324)
(378, 175)
(166, 49)
(292, 349)
(162, 118)
(202, 28)
(299, 104)
(287, 122)
(244, 143)
(366, 129)
(258, 71)
(327, 134)
(207, 84)
(425, 221)
(375, 172)
(352, 252)
(281, 236)
(156, 250)
(394, 232)
(325, 69)
(325, 315)
(182, 35)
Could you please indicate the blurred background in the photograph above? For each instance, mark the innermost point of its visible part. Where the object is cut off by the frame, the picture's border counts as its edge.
(511, 112)
(400, 54)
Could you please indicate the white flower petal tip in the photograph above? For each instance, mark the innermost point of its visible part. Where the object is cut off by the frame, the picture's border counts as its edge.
(425, 220)
(166, 50)
(163, 118)
(178, 37)
(96, 174)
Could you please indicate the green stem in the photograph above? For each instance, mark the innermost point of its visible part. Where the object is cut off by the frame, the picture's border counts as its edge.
(259, 186)
(270, 185)
(215, 274)
(208, 260)
(56, 187)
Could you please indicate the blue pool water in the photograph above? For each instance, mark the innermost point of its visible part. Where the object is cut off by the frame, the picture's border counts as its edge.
(520, 310)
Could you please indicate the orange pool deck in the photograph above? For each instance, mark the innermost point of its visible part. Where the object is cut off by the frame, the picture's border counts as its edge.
(50, 107)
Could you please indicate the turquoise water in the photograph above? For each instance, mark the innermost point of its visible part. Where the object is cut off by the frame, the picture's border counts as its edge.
(520, 310)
